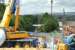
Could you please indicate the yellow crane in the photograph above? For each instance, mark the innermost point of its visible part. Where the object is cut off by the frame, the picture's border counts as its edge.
(5, 31)
(17, 17)
(11, 7)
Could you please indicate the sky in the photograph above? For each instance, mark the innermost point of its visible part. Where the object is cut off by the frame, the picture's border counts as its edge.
(42, 6)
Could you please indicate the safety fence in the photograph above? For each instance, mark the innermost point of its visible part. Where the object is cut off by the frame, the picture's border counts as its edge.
(24, 48)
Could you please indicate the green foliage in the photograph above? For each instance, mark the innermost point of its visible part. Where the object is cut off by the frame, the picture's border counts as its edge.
(26, 23)
(2, 9)
(12, 22)
(49, 23)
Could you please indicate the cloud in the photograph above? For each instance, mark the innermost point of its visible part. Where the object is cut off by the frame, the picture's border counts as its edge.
(37, 6)
(40, 6)
(67, 4)
(34, 6)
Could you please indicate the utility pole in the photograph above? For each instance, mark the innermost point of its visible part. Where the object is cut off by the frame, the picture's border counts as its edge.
(63, 11)
(64, 14)
(51, 7)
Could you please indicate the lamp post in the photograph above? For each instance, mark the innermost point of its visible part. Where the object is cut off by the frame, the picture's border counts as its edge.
(51, 7)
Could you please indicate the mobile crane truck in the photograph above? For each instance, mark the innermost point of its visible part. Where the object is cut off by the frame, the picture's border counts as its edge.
(12, 7)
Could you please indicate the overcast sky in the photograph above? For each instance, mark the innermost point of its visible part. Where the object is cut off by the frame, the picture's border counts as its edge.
(41, 6)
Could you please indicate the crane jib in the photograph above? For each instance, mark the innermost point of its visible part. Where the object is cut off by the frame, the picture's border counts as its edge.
(15, 3)
(14, 7)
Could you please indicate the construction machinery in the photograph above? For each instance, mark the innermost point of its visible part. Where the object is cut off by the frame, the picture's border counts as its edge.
(8, 34)
(12, 7)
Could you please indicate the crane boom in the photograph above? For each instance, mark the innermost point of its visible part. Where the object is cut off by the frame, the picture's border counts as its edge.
(17, 16)
(6, 20)
(10, 9)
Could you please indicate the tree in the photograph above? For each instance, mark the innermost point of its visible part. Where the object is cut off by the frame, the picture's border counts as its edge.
(49, 23)
(26, 23)
(2, 9)
(12, 21)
